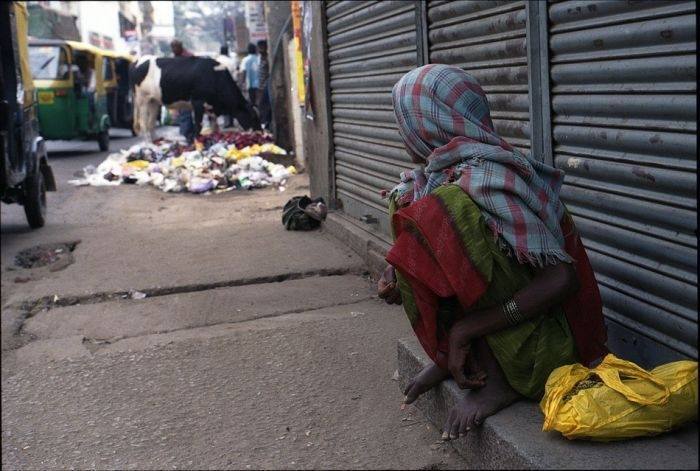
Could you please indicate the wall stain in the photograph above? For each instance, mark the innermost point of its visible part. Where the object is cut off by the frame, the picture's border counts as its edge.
(644, 174)
(666, 34)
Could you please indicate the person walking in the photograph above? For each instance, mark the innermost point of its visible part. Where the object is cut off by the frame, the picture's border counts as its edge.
(486, 259)
(264, 94)
(250, 70)
(184, 115)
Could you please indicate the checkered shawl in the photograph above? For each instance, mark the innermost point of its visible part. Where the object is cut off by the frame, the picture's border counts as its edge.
(444, 120)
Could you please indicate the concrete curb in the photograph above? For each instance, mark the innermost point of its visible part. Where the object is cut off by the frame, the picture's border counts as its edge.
(360, 238)
(513, 438)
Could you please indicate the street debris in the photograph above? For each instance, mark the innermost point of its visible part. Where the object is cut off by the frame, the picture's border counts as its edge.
(215, 163)
(137, 295)
(301, 213)
(46, 254)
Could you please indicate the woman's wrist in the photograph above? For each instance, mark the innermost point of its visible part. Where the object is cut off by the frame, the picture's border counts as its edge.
(477, 324)
(462, 331)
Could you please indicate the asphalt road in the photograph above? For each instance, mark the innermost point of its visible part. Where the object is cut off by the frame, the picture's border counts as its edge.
(255, 347)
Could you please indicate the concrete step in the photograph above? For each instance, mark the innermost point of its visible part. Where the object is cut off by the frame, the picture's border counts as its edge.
(513, 438)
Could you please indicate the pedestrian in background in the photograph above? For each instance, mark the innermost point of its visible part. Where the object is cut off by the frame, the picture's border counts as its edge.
(184, 116)
(178, 49)
(250, 71)
(264, 95)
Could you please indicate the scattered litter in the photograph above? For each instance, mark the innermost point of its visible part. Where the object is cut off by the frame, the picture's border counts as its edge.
(307, 433)
(395, 376)
(55, 298)
(301, 213)
(216, 163)
(45, 254)
(137, 295)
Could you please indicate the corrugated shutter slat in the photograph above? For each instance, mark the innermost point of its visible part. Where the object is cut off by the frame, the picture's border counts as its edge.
(370, 46)
(487, 39)
(624, 113)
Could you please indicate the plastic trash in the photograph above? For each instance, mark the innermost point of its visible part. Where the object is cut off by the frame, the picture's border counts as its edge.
(618, 399)
(217, 161)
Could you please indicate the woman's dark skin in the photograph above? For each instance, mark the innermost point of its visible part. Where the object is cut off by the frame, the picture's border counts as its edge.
(470, 361)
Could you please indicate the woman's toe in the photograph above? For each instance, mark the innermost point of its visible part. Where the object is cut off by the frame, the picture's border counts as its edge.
(412, 393)
(454, 430)
(463, 426)
(447, 428)
(408, 386)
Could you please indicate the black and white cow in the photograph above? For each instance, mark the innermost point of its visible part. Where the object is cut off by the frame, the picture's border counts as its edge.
(180, 81)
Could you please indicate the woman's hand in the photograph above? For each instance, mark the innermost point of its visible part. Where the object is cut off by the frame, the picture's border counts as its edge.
(386, 286)
(461, 361)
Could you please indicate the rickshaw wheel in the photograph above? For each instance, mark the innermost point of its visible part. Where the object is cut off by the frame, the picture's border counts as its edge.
(35, 200)
(103, 140)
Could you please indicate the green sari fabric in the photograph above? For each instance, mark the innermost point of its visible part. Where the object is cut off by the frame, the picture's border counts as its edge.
(528, 352)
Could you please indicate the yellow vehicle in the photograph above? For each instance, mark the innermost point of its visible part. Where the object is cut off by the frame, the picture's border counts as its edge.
(73, 82)
(119, 93)
(26, 175)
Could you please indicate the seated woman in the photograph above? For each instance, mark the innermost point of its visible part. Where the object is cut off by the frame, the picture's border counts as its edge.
(486, 260)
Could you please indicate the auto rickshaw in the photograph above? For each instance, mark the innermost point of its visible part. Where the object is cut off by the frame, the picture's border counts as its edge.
(26, 175)
(119, 93)
(70, 80)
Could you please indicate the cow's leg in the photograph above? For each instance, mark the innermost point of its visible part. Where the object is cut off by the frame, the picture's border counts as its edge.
(141, 117)
(136, 121)
(152, 109)
(198, 107)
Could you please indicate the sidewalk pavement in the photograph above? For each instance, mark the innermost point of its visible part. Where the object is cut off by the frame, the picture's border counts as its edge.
(255, 347)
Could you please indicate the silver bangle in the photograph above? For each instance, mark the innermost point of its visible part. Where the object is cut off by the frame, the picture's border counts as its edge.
(512, 313)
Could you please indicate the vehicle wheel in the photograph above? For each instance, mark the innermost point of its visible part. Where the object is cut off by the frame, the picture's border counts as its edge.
(103, 140)
(35, 200)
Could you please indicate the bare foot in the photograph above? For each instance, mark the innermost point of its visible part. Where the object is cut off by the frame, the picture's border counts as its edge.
(424, 381)
(477, 405)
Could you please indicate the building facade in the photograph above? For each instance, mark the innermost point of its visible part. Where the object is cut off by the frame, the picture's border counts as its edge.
(606, 91)
(114, 25)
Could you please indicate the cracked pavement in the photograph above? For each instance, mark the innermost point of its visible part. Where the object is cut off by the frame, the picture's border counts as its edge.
(254, 347)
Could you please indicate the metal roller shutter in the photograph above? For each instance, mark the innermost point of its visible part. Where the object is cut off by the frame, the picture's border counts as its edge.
(370, 46)
(488, 40)
(623, 91)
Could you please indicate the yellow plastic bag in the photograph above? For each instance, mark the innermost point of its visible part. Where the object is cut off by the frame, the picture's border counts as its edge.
(138, 164)
(618, 399)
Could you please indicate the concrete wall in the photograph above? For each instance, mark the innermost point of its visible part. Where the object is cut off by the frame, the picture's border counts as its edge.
(276, 15)
(316, 132)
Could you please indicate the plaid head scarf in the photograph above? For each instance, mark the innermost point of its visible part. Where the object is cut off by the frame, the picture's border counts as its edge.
(445, 122)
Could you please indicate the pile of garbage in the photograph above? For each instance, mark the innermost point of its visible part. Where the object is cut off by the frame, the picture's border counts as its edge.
(216, 162)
